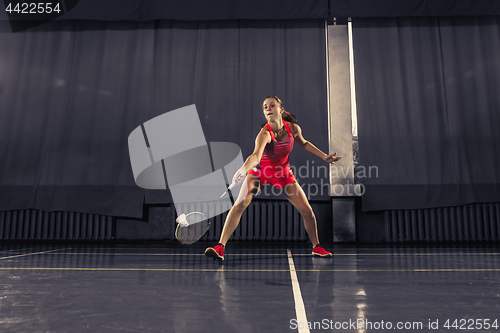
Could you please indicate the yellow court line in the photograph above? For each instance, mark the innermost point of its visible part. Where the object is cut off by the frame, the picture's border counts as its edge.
(249, 270)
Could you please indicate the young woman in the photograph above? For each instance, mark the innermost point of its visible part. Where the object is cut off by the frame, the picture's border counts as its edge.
(268, 164)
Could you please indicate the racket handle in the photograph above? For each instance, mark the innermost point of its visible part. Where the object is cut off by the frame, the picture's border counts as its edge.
(233, 184)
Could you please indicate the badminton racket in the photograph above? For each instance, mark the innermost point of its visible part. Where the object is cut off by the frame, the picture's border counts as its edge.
(192, 226)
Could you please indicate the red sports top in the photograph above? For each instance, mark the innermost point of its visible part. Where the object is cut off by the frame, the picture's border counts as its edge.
(275, 156)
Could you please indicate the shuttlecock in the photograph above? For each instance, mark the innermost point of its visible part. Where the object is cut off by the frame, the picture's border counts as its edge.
(182, 220)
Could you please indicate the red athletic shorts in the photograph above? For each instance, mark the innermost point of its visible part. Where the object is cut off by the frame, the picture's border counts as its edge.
(277, 177)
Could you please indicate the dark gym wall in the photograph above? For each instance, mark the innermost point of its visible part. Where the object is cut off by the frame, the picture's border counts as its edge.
(72, 91)
(197, 10)
(428, 110)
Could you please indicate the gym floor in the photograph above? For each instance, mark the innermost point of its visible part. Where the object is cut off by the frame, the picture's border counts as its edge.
(167, 287)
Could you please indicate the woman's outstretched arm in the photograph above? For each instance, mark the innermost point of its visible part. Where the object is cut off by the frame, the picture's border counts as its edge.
(297, 133)
(262, 139)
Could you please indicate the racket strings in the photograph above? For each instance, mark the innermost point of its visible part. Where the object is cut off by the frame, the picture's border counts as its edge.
(198, 226)
(198, 223)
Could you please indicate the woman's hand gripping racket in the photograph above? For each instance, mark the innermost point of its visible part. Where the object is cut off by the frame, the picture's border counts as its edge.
(192, 226)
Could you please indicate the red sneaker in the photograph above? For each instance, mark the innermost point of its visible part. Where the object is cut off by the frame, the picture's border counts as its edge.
(318, 251)
(216, 252)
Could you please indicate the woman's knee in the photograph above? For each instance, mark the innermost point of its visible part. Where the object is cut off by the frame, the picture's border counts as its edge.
(307, 213)
(243, 204)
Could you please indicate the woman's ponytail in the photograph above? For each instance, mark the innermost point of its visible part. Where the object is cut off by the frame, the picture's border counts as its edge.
(289, 117)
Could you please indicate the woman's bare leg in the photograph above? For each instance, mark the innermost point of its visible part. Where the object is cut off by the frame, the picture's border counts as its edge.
(250, 188)
(294, 193)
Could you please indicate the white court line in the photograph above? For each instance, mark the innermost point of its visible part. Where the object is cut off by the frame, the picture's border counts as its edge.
(300, 309)
(29, 248)
(27, 254)
(275, 254)
(405, 254)
(169, 254)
